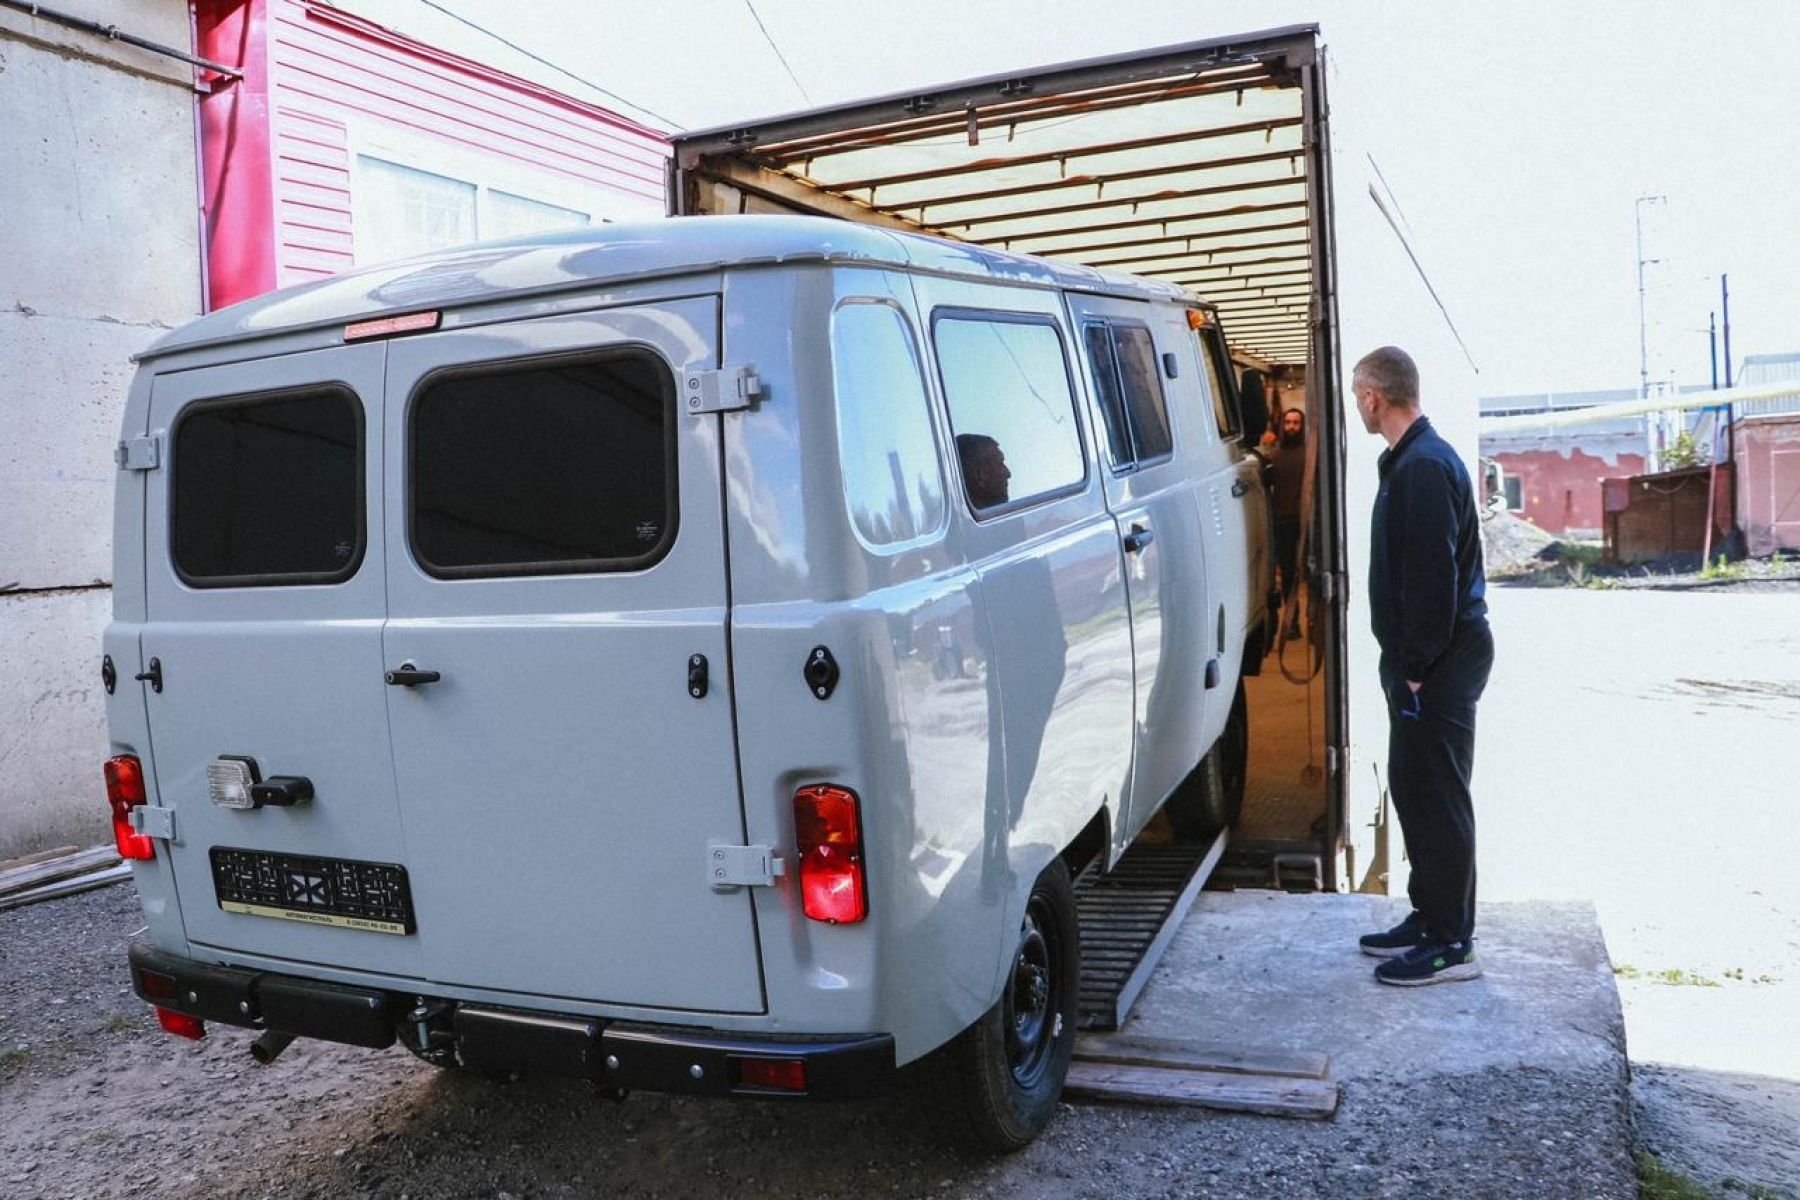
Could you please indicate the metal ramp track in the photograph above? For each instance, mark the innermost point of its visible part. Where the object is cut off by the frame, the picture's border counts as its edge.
(1128, 918)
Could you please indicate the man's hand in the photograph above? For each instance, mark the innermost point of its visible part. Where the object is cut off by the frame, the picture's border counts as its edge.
(1415, 685)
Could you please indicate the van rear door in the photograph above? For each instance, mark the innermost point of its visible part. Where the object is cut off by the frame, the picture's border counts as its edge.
(556, 570)
(266, 595)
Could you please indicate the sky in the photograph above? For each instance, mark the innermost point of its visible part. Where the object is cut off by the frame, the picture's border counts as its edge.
(1518, 136)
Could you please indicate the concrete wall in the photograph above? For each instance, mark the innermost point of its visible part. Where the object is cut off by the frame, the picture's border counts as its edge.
(99, 252)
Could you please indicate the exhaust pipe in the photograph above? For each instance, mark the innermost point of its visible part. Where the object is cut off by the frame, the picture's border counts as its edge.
(269, 1046)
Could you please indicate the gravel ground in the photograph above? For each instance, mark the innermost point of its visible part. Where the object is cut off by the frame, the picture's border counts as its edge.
(99, 1102)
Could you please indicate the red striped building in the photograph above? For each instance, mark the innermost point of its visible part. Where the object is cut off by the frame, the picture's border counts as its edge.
(345, 143)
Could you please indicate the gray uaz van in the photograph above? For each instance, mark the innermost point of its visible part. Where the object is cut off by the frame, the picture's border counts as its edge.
(693, 656)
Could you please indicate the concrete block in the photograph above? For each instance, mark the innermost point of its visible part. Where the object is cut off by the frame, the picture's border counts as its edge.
(63, 384)
(53, 735)
(99, 187)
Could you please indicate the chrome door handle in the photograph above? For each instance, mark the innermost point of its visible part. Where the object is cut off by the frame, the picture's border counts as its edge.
(408, 675)
(1138, 538)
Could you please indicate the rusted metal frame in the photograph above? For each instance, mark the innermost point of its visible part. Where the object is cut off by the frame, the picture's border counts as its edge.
(1223, 189)
(1211, 255)
(1248, 292)
(1265, 127)
(784, 189)
(1170, 238)
(1236, 210)
(1000, 112)
(1102, 181)
(1258, 320)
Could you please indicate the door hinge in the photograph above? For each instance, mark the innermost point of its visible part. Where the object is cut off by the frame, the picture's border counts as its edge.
(1331, 761)
(726, 390)
(1330, 589)
(742, 866)
(152, 821)
(138, 454)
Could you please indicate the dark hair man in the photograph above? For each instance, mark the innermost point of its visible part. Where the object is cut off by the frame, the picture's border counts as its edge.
(1287, 474)
(986, 476)
(1427, 595)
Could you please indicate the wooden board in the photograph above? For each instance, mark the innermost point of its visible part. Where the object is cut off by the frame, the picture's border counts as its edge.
(81, 862)
(1123, 1050)
(40, 856)
(66, 887)
(1272, 1095)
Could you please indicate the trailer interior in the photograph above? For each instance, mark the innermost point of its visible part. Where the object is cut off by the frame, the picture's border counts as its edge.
(1203, 165)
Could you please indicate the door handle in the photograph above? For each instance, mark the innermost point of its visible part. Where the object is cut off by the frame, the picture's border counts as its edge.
(1138, 538)
(408, 675)
(1239, 488)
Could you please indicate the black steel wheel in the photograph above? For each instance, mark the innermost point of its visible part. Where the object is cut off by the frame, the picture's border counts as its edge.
(1211, 798)
(996, 1084)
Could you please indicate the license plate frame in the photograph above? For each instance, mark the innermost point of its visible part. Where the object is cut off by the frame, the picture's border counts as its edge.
(343, 893)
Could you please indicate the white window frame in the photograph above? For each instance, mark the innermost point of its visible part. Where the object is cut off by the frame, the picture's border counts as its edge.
(486, 173)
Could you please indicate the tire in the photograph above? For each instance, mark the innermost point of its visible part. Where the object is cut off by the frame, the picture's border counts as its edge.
(1211, 798)
(994, 1087)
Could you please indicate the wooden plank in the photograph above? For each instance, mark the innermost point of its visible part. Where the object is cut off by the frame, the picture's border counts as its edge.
(67, 887)
(41, 856)
(1179, 1053)
(1276, 1096)
(82, 861)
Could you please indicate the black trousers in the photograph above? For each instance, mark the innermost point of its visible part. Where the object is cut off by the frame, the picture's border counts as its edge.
(1431, 757)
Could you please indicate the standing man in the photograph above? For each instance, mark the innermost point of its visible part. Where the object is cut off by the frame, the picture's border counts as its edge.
(1287, 471)
(1427, 593)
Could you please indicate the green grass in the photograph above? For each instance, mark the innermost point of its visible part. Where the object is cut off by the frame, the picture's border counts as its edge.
(1672, 976)
(119, 1023)
(14, 1056)
(1657, 1182)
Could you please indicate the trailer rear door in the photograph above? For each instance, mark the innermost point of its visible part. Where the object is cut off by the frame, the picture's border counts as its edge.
(1203, 165)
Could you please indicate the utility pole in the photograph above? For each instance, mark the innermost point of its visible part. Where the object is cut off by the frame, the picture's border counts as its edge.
(1725, 304)
(1712, 345)
(1643, 308)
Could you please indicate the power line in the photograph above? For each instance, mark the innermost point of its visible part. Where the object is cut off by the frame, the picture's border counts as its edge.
(777, 49)
(538, 58)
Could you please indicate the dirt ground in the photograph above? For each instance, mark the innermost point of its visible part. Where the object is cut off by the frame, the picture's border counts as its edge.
(99, 1102)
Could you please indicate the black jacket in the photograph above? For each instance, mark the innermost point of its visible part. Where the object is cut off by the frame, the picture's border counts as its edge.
(1425, 573)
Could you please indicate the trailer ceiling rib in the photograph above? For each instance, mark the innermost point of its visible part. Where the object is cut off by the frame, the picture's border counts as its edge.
(1191, 164)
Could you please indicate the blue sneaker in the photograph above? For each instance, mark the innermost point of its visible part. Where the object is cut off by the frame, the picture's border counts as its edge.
(1438, 962)
(1398, 940)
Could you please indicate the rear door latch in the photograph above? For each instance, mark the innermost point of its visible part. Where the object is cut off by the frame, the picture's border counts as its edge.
(730, 867)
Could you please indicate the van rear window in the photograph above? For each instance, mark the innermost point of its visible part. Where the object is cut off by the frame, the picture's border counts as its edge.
(268, 490)
(544, 468)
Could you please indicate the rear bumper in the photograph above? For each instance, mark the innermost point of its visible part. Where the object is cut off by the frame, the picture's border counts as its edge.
(614, 1054)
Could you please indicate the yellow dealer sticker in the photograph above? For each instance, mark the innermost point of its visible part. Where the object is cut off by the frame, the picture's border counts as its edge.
(314, 918)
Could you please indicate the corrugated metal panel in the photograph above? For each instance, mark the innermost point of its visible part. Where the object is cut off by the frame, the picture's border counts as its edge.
(338, 83)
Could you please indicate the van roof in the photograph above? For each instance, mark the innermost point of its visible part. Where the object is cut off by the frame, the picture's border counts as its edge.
(579, 258)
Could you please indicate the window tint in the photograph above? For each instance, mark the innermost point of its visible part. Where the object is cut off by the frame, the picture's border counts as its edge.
(1006, 383)
(550, 467)
(1106, 387)
(892, 480)
(1213, 359)
(268, 490)
(1127, 374)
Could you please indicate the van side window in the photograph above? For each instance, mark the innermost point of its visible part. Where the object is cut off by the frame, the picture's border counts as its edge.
(268, 490)
(893, 481)
(543, 468)
(1006, 383)
(1212, 357)
(1129, 385)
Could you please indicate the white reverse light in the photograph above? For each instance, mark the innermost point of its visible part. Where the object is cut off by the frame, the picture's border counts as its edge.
(229, 779)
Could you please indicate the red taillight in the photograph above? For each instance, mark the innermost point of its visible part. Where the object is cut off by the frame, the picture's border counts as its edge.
(125, 791)
(776, 1074)
(158, 986)
(180, 1024)
(829, 832)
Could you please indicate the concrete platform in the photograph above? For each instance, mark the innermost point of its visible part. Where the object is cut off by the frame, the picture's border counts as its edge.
(1515, 1079)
